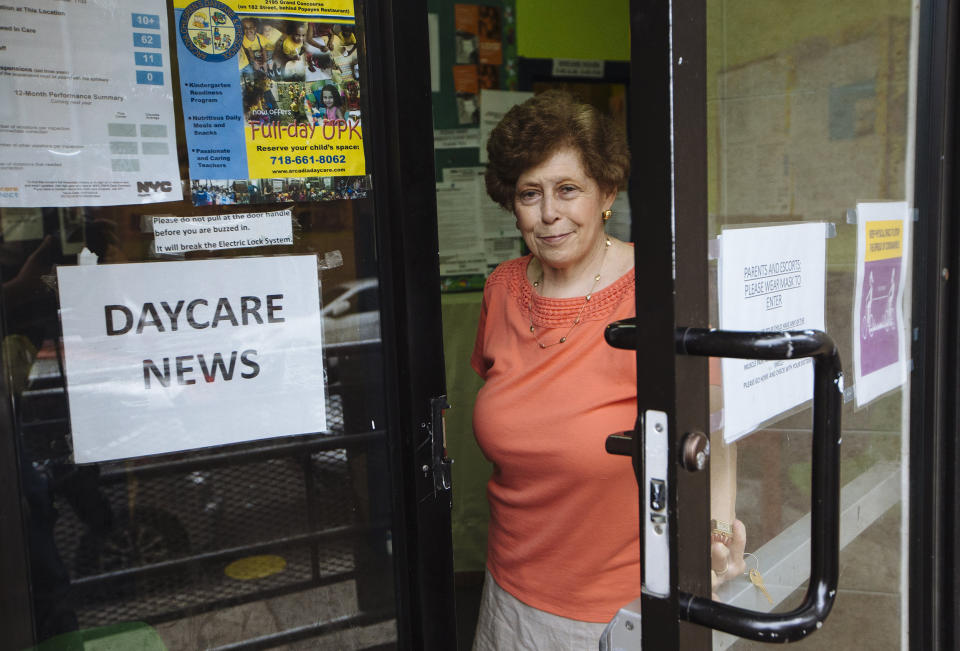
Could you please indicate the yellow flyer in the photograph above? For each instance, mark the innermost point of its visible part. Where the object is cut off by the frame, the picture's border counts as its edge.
(271, 100)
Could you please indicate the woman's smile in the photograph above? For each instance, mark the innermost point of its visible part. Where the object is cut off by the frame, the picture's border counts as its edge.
(553, 239)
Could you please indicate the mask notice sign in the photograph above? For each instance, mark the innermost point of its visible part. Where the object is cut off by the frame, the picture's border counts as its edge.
(168, 356)
(772, 279)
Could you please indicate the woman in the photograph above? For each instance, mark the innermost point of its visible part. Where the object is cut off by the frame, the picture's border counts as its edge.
(563, 553)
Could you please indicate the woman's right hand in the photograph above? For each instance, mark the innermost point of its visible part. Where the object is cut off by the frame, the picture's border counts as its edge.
(726, 559)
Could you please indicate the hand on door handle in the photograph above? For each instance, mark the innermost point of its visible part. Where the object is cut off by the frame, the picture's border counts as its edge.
(726, 561)
(821, 591)
(825, 481)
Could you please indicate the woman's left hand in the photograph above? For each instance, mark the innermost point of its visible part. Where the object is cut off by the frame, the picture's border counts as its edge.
(726, 560)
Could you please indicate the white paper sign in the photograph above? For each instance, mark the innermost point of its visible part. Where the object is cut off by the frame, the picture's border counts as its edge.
(465, 138)
(494, 104)
(879, 336)
(87, 113)
(21, 224)
(578, 68)
(501, 238)
(170, 356)
(459, 231)
(213, 232)
(771, 279)
(495, 221)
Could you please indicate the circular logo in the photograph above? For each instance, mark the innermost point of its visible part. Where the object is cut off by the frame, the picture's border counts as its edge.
(210, 30)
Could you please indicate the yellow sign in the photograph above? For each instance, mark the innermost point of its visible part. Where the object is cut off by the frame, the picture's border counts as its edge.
(884, 240)
(272, 100)
(283, 146)
(317, 9)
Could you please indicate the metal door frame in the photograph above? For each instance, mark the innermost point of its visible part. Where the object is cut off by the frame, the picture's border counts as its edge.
(669, 53)
(401, 162)
(934, 483)
(407, 243)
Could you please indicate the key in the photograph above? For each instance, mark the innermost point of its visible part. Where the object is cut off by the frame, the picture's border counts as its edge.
(757, 580)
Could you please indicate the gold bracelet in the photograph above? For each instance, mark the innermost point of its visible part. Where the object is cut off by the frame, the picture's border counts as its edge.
(721, 531)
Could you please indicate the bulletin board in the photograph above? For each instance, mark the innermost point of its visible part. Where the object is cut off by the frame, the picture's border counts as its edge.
(475, 50)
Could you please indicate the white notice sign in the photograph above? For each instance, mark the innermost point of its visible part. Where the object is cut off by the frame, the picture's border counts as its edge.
(578, 68)
(87, 114)
(456, 138)
(21, 224)
(459, 230)
(771, 279)
(214, 232)
(169, 356)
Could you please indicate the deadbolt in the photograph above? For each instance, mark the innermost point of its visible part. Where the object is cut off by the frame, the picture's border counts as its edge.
(696, 451)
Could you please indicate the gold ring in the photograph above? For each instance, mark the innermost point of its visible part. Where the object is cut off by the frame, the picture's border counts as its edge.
(721, 531)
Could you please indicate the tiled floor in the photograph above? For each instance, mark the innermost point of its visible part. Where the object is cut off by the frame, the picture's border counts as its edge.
(254, 619)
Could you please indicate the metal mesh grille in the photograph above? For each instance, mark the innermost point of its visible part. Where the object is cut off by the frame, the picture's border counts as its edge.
(158, 598)
(194, 515)
(206, 510)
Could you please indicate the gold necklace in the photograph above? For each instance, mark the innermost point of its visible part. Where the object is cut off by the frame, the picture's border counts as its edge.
(586, 299)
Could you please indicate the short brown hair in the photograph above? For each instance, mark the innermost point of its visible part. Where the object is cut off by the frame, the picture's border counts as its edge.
(532, 131)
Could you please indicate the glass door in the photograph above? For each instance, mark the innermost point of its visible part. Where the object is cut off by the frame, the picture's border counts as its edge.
(780, 244)
(810, 127)
(151, 502)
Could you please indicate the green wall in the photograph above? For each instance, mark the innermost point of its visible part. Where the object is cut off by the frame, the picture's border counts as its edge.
(552, 29)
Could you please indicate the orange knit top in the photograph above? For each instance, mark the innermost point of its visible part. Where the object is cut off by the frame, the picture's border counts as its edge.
(564, 514)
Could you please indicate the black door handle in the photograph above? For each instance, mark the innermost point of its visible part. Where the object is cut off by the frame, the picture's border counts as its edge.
(825, 473)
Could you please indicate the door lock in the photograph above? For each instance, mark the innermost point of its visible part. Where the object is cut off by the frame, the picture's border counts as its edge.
(696, 451)
(658, 495)
(656, 549)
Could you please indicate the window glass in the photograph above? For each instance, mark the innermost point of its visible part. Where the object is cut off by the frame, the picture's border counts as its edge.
(277, 539)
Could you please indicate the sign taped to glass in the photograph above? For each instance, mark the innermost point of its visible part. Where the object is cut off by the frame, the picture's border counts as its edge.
(271, 92)
(772, 279)
(879, 333)
(157, 362)
(87, 117)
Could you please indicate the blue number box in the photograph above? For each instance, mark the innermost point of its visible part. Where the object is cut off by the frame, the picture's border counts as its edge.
(147, 21)
(150, 77)
(146, 40)
(148, 58)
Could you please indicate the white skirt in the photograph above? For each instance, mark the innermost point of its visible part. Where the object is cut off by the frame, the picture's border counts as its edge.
(507, 624)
